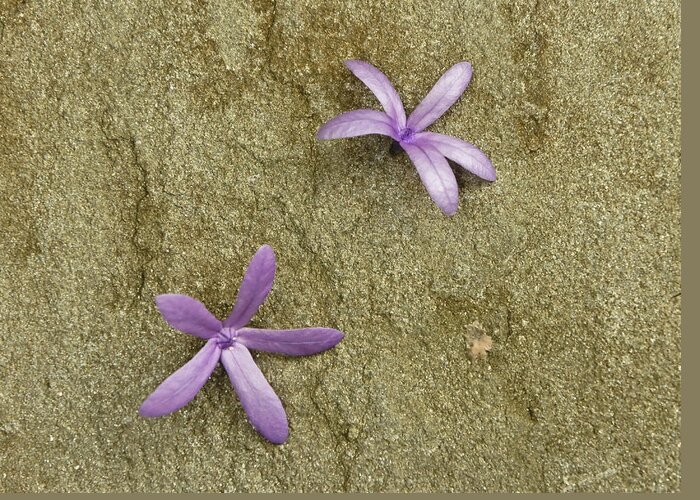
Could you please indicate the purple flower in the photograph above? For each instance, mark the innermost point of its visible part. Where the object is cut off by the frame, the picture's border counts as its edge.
(228, 342)
(427, 150)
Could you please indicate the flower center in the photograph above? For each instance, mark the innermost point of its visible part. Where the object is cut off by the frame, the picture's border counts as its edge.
(226, 337)
(406, 135)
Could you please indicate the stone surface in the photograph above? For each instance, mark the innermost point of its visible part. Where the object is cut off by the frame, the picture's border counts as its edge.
(152, 147)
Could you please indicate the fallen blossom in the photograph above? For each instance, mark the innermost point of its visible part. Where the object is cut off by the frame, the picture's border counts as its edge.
(427, 150)
(228, 342)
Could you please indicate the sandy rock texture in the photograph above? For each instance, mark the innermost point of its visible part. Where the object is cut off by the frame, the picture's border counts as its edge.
(152, 147)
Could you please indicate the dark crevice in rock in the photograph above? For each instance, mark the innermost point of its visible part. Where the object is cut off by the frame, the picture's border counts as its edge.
(531, 51)
(140, 237)
(270, 23)
(338, 437)
(270, 67)
(344, 441)
(123, 151)
(243, 147)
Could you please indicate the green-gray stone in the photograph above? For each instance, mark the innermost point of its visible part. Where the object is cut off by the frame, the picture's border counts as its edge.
(152, 147)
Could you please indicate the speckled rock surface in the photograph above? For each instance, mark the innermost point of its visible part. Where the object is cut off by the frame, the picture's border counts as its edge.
(152, 147)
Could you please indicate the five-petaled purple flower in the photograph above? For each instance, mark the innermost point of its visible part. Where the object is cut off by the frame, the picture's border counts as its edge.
(228, 342)
(427, 150)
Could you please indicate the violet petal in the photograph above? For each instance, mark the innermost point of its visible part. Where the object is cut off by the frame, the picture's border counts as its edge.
(443, 95)
(381, 87)
(261, 404)
(436, 174)
(297, 342)
(182, 386)
(188, 315)
(356, 123)
(461, 152)
(254, 288)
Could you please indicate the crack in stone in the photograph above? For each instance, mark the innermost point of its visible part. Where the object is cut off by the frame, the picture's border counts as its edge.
(146, 253)
(339, 437)
(509, 321)
(126, 146)
(271, 49)
(304, 241)
(531, 48)
(270, 24)
(294, 227)
(249, 152)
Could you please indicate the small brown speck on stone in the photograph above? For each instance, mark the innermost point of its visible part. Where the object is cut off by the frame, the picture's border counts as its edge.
(479, 343)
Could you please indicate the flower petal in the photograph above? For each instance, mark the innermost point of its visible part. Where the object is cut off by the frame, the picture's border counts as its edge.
(436, 174)
(188, 315)
(255, 286)
(464, 154)
(298, 342)
(182, 386)
(356, 123)
(443, 95)
(261, 404)
(381, 87)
